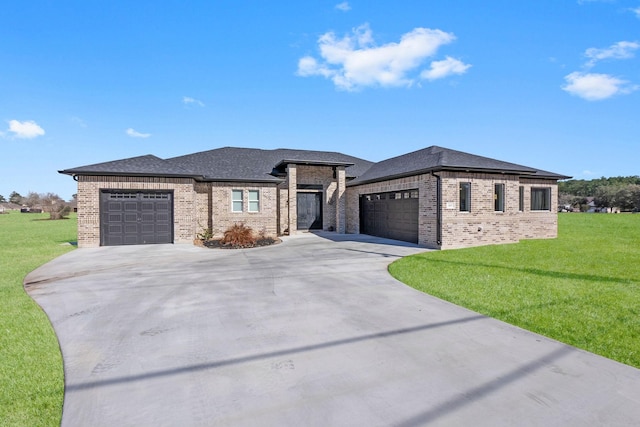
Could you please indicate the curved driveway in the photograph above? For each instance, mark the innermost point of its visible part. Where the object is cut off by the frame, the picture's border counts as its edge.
(310, 332)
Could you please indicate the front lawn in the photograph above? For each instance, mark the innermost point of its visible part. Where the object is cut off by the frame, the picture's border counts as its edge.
(582, 288)
(31, 376)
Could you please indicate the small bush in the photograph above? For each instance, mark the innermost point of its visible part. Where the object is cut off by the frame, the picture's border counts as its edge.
(207, 234)
(238, 235)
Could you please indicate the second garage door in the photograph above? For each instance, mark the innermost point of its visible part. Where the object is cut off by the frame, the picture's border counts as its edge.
(135, 217)
(392, 215)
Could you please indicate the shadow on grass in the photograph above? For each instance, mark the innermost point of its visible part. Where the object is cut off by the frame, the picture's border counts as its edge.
(538, 272)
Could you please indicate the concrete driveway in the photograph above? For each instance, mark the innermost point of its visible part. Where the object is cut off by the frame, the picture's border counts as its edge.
(310, 332)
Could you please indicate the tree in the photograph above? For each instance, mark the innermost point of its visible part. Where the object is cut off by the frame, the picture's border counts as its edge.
(32, 200)
(2, 199)
(16, 198)
(54, 205)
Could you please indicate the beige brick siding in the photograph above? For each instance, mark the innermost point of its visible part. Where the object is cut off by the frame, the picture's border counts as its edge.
(333, 190)
(426, 186)
(198, 206)
(89, 188)
(482, 225)
(264, 221)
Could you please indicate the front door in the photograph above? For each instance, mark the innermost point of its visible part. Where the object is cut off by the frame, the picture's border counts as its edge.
(309, 211)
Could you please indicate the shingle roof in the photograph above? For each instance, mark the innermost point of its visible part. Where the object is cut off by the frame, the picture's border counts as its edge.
(143, 165)
(436, 158)
(250, 164)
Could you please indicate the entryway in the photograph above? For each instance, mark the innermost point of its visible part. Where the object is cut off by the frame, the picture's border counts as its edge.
(309, 206)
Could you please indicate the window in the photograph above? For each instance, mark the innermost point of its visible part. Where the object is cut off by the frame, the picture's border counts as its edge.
(236, 200)
(498, 198)
(465, 197)
(521, 199)
(541, 199)
(254, 201)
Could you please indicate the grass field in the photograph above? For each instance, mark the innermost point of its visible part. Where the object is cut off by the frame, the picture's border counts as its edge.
(582, 288)
(31, 376)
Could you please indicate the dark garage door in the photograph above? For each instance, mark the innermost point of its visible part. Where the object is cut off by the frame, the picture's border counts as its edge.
(392, 215)
(136, 217)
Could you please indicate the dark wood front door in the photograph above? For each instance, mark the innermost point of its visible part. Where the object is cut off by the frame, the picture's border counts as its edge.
(309, 211)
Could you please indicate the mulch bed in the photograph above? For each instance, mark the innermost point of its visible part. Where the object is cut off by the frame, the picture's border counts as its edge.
(217, 244)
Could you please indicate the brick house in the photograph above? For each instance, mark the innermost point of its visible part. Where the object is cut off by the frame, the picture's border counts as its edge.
(436, 197)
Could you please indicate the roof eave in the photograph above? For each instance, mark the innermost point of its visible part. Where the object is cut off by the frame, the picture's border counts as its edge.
(285, 162)
(72, 172)
(445, 169)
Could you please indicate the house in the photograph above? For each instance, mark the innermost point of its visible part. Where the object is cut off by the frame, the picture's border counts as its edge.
(436, 197)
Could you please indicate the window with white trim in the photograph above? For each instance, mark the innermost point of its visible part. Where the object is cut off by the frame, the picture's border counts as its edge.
(254, 200)
(541, 199)
(236, 200)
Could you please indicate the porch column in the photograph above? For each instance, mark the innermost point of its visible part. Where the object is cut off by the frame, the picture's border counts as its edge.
(341, 205)
(293, 200)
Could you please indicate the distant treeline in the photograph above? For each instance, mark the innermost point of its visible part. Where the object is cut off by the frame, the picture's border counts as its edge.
(622, 192)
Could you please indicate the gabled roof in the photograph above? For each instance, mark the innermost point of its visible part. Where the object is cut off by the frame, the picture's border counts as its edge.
(251, 164)
(148, 165)
(256, 165)
(434, 158)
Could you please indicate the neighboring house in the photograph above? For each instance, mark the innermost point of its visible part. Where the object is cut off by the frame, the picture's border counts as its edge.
(593, 208)
(436, 197)
(8, 206)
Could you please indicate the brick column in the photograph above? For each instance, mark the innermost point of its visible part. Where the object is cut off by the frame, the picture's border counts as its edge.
(341, 202)
(293, 201)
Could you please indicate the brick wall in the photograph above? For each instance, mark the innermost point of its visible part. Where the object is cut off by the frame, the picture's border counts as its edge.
(89, 187)
(264, 221)
(332, 195)
(482, 225)
(426, 186)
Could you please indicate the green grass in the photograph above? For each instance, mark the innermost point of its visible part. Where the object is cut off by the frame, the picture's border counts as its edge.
(582, 288)
(31, 375)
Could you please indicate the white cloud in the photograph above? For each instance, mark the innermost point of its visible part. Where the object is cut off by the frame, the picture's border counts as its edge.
(355, 61)
(620, 50)
(445, 68)
(78, 121)
(595, 87)
(344, 6)
(25, 130)
(187, 100)
(636, 11)
(135, 134)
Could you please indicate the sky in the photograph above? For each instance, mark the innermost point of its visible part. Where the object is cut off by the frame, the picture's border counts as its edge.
(551, 84)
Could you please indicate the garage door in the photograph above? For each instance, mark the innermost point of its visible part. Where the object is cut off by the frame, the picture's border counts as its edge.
(392, 215)
(136, 217)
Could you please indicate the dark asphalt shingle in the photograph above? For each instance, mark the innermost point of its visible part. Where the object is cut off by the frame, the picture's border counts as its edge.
(142, 165)
(251, 164)
(436, 158)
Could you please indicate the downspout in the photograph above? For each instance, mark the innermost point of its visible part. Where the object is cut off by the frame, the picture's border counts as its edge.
(438, 209)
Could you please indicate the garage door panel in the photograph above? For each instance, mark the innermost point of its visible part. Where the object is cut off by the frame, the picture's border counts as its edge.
(391, 215)
(132, 218)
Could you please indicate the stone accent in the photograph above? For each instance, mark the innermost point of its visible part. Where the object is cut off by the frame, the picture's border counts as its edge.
(333, 190)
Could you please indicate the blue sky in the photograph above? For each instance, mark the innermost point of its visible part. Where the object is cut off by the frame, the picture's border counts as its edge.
(553, 84)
